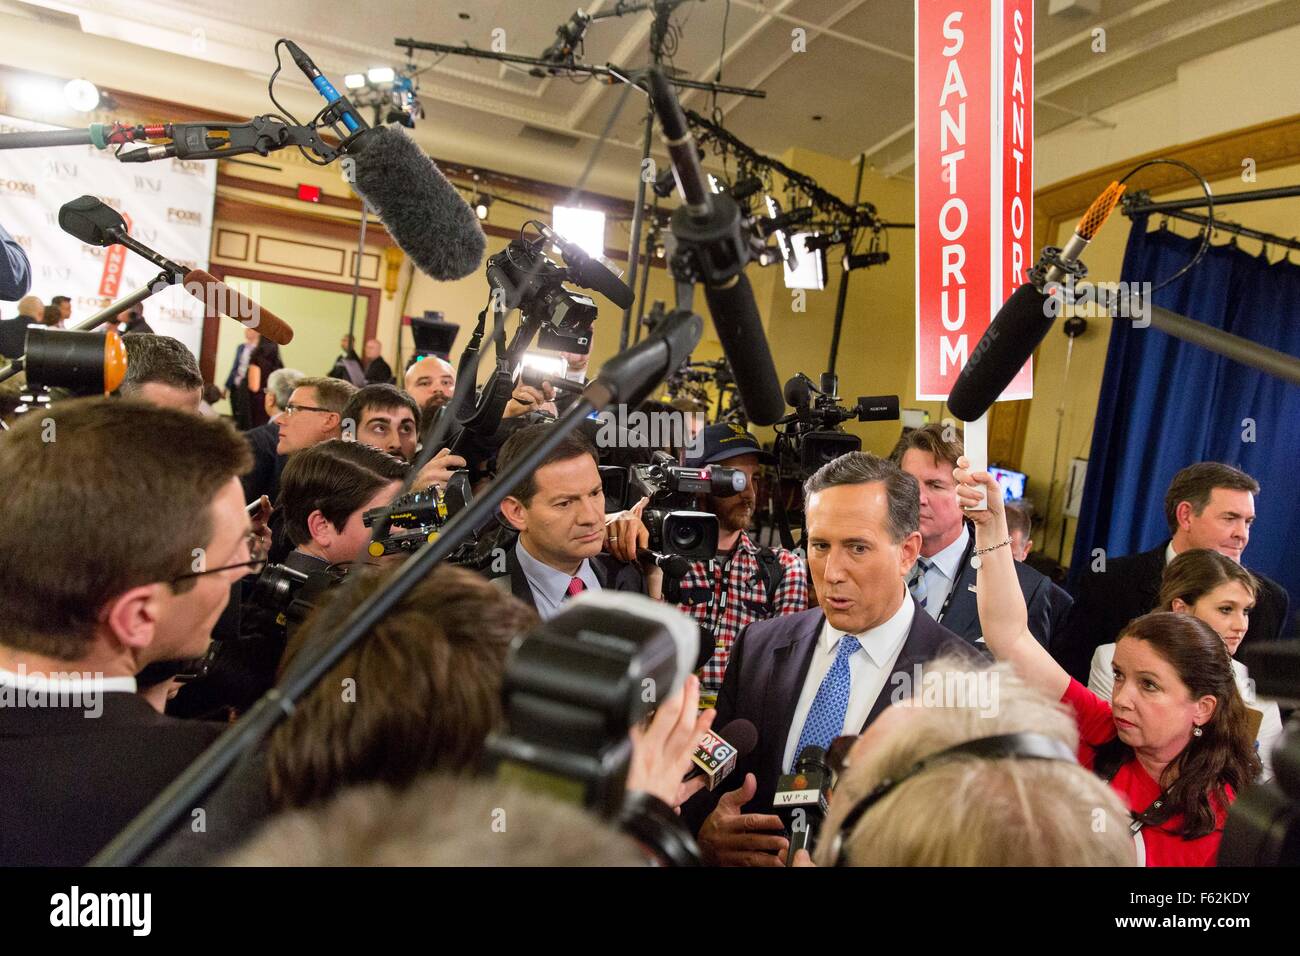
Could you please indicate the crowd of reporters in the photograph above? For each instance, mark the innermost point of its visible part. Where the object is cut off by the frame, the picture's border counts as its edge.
(186, 566)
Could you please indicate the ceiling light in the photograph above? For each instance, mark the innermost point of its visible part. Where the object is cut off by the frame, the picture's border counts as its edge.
(380, 74)
(81, 95)
(586, 227)
(354, 81)
(481, 206)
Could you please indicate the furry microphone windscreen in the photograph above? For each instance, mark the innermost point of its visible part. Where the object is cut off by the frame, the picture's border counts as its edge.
(422, 211)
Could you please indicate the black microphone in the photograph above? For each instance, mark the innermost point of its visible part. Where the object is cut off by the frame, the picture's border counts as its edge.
(720, 750)
(711, 224)
(673, 565)
(631, 375)
(421, 210)
(798, 391)
(1024, 319)
(590, 273)
(802, 798)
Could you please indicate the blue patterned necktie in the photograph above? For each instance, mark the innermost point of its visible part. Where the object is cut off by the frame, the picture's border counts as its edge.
(825, 720)
(916, 583)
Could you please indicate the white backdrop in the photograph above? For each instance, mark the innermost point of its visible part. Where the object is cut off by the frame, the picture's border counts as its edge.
(168, 204)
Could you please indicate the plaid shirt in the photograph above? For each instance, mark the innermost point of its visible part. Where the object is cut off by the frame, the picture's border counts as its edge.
(728, 608)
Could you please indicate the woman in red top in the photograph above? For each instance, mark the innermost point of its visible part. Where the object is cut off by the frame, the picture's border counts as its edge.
(1174, 741)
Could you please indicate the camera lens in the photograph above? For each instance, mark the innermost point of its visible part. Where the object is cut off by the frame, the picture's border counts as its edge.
(685, 537)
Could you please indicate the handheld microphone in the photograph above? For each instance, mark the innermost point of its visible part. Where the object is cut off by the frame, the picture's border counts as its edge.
(1024, 319)
(323, 86)
(710, 226)
(421, 210)
(673, 565)
(720, 750)
(802, 798)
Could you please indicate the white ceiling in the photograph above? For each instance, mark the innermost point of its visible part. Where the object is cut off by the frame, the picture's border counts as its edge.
(850, 92)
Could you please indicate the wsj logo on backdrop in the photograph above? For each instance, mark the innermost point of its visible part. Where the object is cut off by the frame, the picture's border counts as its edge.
(57, 169)
(191, 167)
(17, 187)
(147, 236)
(147, 184)
(189, 217)
(62, 273)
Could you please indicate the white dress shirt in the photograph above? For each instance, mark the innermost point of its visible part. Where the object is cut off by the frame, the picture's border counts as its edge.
(869, 669)
(551, 587)
(942, 574)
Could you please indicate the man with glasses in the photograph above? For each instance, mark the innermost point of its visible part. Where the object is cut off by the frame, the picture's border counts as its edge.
(314, 413)
(125, 530)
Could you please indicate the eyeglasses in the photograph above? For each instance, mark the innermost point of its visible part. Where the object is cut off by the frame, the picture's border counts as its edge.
(252, 544)
(291, 408)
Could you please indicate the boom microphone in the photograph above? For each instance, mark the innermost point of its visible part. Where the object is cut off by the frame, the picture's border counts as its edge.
(324, 87)
(710, 225)
(421, 210)
(219, 298)
(1024, 319)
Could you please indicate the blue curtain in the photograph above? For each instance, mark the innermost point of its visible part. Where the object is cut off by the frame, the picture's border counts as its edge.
(1165, 404)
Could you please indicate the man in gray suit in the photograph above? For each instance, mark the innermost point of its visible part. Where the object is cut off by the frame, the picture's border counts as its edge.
(803, 679)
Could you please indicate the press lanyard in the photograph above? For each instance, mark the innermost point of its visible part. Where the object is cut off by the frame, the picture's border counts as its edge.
(956, 577)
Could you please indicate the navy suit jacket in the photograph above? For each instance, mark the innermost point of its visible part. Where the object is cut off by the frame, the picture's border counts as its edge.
(765, 677)
(1046, 602)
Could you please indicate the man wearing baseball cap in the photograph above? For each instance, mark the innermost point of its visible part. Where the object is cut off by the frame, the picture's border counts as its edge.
(743, 583)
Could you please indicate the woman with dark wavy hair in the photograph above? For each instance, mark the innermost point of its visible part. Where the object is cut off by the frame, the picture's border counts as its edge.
(1175, 741)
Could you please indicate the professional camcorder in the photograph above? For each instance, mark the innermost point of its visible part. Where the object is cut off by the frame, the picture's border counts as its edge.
(416, 516)
(670, 516)
(814, 434)
(285, 596)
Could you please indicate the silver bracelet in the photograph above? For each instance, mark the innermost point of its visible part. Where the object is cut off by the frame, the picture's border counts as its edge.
(976, 560)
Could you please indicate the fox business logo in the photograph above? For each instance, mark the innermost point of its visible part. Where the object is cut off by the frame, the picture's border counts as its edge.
(190, 167)
(189, 217)
(24, 241)
(17, 187)
(92, 302)
(112, 201)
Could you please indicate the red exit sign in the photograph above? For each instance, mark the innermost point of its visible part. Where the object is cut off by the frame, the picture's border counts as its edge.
(309, 193)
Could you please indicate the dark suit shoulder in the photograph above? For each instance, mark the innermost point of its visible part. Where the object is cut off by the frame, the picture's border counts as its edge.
(783, 627)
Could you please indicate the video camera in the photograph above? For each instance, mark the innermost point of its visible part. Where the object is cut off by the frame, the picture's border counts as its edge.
(814, 434)
(285, 596)
(416, 516)
(674, 526)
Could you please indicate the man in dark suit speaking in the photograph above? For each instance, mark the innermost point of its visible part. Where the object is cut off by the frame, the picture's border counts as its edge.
(806, 678)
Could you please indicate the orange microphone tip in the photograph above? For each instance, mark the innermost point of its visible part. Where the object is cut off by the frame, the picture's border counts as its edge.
(114, 361)
(1100, 210)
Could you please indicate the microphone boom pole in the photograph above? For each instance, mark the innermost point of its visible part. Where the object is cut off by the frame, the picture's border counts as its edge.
(325, 650)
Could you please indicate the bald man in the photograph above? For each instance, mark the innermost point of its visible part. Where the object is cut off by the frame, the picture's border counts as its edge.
(431, 382)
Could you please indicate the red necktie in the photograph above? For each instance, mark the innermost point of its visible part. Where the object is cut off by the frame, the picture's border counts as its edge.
(575, 587)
